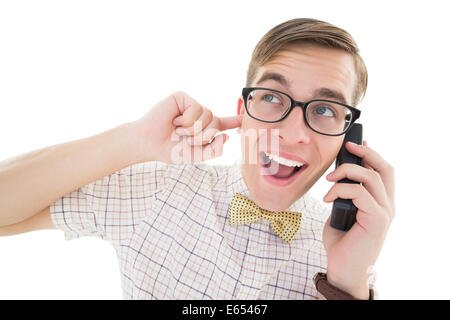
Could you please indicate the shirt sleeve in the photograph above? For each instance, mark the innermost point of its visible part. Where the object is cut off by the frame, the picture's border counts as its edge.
(111, 207)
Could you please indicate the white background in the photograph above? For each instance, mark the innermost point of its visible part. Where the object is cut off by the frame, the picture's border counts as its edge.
(71, 69)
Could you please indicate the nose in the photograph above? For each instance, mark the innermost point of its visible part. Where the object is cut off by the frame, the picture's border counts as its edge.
(293, 128)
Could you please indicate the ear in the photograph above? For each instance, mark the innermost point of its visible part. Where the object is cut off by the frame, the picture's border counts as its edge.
(240, 109)
(240, 106)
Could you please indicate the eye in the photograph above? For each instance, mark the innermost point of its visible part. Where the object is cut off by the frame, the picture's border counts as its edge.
(324, 110)
(270, 98)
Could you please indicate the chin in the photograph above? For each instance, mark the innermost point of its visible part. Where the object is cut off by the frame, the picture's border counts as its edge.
(274, 200)
(269, 197)
(273, 196)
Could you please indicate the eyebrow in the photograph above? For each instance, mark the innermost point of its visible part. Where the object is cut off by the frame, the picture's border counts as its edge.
(330, 94)
(319, 93)
(275, 77)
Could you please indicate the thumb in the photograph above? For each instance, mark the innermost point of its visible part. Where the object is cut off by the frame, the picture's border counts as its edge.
(230, 122)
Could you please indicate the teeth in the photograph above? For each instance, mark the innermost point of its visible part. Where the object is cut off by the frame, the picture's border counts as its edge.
(286, 162)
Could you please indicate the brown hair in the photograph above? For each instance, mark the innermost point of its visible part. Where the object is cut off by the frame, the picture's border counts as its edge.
(305, 30)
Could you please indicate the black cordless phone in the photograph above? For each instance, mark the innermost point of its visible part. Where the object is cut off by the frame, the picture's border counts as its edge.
(343, 214)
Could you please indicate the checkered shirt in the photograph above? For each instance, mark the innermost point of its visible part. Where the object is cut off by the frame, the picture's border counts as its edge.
(169, 227)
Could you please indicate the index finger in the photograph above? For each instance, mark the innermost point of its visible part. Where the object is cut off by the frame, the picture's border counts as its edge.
(230, 122)
(371, 158)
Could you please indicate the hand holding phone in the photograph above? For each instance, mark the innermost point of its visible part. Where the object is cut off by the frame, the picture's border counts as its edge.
(343, 214)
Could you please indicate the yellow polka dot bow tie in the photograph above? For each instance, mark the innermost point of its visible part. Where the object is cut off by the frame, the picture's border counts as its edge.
(242, 210)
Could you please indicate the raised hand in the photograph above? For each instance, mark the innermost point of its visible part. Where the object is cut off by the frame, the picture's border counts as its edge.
(180, 130)
(352, 255)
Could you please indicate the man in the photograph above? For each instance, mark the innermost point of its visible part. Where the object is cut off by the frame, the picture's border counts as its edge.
(186, 230)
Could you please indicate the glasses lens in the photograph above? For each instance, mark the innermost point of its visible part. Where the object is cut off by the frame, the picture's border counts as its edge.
(328, 117)
(267, 105)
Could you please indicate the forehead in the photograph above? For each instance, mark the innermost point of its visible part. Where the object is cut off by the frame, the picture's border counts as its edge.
(307, 68)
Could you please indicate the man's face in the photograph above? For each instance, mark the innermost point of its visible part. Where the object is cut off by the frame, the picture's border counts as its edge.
(305, 72)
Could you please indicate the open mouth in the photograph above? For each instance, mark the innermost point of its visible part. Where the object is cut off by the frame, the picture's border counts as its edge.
(278, 170)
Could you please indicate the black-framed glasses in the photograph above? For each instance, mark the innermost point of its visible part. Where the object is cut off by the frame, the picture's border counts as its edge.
(326, 117)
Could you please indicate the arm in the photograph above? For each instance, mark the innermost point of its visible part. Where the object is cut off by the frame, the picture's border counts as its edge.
(29, 183)
(39, 221)
(352, 255)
